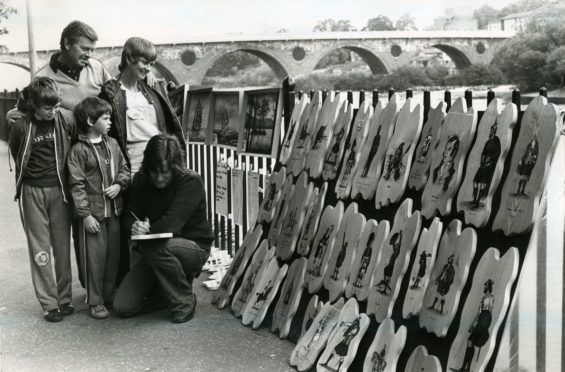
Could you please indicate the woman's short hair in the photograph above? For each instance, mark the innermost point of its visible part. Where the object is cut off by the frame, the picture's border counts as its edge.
(90, 107)
(41, 91)
(75, 30)
(136, 48)
(163, 149)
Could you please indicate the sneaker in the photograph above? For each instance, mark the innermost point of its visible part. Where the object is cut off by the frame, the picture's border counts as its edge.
(67, 309)
(99, 312)
(53, 316)
(182, 317)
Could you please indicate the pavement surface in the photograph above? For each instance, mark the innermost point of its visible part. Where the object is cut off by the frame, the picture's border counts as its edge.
(213, 341)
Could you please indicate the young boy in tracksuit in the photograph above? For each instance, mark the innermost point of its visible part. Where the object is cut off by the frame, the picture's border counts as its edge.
(40, 142)
(98, 174)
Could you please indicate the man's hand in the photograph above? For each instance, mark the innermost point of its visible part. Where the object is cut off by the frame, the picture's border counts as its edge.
(91, 225)
(112, 191)
(13, 115)
(140, 227)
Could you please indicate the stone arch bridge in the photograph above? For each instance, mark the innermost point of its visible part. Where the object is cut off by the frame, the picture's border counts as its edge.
(297, 54)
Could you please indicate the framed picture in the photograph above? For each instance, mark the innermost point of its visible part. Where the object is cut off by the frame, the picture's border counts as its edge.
(225, 121)
(196, 118)
(262, 114)
(178, 100)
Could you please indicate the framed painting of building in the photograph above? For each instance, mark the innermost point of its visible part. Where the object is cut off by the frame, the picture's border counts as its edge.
(225, 120)
(261, 117)
(197, 115)
(178, 100)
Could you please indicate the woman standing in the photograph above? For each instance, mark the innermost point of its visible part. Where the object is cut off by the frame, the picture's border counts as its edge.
(139, 111)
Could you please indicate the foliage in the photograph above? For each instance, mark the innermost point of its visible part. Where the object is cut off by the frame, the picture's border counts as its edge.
(233, 62)
(379, 23)
(521, 6)
(531, 60)
(478, 74)
(335, 57)
(332, 25)
(485, 15)
(5, 12)
(406, 23)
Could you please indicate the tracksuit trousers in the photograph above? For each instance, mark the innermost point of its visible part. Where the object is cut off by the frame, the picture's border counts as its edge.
(46, 219)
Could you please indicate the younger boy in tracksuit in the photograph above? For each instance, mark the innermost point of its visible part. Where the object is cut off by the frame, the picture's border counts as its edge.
(40, 142)
(98, 174)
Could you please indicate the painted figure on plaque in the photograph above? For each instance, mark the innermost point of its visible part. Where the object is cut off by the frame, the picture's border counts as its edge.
(339, 260)
(272, 194)
(334, 151)
(444, 172)
(341, 349)
(365, 260)
(479, 330)
(317, 333)
(395, 167)
(423, 263)
(319, 138)
(372, 152)
(425, 148)
(288, 293)
(302, 136)
(443, 282)
(321, 251)
(395, 242)
(526, 165)
(290, 133)
(233, 269)
(378, 360)
(487, 166)
(349, 162)
(262, 296)
(279, 215)
(291, 222)
(249, 285)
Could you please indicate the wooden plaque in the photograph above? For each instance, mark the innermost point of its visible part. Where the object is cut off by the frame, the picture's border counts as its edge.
(272, 193)
(426, 147)
(322, 246)
(421, 361)
(294, 218)
(393, 261)
(315, 338)
(422, 268)
(344, 252)
(383, 353)
(334, 153)
(398, 156)
(484, 311)
(371, 162)
(264, 293)
(486, 162)
(252, 276)
(292, 133)
(344, 341)
(238, 265)
(280, 210)
(290, 297)
(446, 171)
(312, 218)
(370, 245)
(449, 274)
(529, 166)
(353, 149)
(323, 134)
(297, 159)
(312, 309)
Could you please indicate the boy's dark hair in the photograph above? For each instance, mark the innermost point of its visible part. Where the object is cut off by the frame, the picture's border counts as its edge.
(93, 108)
(136, 48)
(163, 149)
(41, 91)
(74, 31)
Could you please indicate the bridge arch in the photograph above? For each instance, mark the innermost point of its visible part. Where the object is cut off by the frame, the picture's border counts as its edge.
(376, 64)
(17, 65)
(459, 58)
(275, 63)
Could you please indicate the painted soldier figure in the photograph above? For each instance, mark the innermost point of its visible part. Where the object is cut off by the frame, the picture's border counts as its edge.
(489, 159)
(395, 242)
(372, 152)
(365, 260)
(422, 262)
(444, 281)
(527, 164)
(342, 348)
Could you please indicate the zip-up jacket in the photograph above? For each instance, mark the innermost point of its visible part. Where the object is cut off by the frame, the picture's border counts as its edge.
(20, 138)
(156, 95)
(87, 178)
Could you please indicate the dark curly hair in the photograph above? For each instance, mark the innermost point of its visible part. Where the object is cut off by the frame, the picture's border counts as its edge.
(163, 150)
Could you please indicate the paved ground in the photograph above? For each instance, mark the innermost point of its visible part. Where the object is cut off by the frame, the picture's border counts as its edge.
(213, 341)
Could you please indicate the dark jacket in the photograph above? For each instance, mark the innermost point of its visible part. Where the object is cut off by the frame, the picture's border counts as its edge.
(20, 136)
(179, 208)
(87, 178)
(156, 95)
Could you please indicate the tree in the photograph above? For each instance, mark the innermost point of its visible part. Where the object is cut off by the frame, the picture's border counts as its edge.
(406, 23)
(485, 15)
(5, 12)
(379, 23)
(331, 25)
